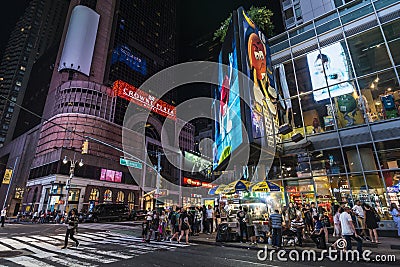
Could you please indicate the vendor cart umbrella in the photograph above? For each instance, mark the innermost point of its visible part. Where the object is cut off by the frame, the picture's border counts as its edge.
(216, 190)
(240, 185)
(265, 186)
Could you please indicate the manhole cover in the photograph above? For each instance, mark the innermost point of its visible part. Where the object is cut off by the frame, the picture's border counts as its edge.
(10, 253)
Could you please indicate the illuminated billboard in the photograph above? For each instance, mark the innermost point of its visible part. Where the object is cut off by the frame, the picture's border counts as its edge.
(123, 53)
(143, 99)
(227, 104)
(111, 176)
(245, 49)
(329, 68)
(257, 65)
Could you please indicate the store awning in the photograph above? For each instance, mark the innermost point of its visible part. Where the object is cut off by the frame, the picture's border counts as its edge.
(240, 185)
(216, 190)
(265, 186)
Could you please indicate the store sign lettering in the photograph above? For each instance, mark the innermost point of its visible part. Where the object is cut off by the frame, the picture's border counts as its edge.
(143, 99)
(197, 183)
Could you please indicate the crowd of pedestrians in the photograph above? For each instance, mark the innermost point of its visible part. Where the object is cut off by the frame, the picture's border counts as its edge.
(297, 222)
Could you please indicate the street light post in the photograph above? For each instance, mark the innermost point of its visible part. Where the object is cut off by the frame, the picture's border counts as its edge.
(71, 175)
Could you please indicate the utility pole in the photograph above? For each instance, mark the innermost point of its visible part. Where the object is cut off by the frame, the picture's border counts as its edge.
(158, 178)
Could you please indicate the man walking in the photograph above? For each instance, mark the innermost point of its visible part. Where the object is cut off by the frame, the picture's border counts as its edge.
(3, 216)
(349, 231)
(275, 222)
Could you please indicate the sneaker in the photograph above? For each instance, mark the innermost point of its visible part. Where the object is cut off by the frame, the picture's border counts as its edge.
(77, 244)
(64, 247)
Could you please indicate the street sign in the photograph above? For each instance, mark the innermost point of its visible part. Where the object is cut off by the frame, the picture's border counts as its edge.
(7, 176)
(130, 163)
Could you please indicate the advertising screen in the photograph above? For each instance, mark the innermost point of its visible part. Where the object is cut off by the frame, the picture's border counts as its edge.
(226, 108)
(330, 66)
(123, 53)
(256, 64)
(111, 176)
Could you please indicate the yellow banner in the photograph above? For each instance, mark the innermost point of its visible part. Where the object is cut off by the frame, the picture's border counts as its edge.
(7, 176)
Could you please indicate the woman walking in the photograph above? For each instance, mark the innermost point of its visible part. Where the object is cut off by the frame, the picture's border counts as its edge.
(371, 223)
(184, 226)
(72, 227)
(394, 211)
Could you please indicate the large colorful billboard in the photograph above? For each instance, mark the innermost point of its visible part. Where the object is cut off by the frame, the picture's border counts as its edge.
(227, 107)
(257, 65)
(253, 101)
(143, 99)
(329, 68)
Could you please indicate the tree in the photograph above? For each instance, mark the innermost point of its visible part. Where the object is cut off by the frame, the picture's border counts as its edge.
(261, 16)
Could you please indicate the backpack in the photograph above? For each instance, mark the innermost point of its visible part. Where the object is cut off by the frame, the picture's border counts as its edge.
(173, 218)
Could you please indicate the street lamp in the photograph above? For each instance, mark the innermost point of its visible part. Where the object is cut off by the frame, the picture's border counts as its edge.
(73, 162)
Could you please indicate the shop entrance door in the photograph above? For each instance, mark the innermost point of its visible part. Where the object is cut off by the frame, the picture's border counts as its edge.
(301, 197)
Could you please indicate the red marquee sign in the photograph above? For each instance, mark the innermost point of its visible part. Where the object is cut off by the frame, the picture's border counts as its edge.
(143, 99)
(197, 183)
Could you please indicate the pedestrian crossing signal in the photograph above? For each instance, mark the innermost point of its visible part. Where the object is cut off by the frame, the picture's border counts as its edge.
(85, 147)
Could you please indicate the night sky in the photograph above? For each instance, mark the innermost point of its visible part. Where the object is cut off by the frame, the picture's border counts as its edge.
(194, 20)
(10, 11)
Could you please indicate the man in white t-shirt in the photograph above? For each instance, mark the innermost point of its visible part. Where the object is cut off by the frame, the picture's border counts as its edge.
(210, 218)
(3, 216)
(349, 231)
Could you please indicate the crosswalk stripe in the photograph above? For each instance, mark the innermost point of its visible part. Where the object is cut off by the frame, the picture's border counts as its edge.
(74, 253)
(29, 261)
(4, 248)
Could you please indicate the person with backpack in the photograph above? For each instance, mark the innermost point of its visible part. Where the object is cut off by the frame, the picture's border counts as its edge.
(175, 224)
(242, 224)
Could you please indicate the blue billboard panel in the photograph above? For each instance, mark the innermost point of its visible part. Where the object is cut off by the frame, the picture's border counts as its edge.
(123, 53)
(227, 112)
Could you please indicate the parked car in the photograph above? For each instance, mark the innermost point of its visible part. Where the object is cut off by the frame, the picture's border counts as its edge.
(103, 212)
(138, 215)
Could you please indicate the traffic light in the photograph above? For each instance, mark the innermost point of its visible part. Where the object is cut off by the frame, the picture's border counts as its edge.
(85, 147)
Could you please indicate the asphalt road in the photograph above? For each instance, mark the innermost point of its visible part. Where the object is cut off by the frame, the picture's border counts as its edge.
(104, 245)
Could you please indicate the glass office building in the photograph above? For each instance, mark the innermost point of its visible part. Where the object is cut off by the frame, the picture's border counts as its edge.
(339, 77)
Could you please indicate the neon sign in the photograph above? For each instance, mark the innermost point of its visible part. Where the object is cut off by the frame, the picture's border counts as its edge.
(143, 99)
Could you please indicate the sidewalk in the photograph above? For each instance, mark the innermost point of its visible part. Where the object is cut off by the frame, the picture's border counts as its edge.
(388, 244)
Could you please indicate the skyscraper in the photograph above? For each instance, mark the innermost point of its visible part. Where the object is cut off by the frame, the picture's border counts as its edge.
(104, 42)
(35, 33)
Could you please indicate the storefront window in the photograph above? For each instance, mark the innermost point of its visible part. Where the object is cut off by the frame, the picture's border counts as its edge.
(368, 52)
(120, 197)
(392, 33)
(73, 195)
(317, 115)
(131, 201)
(340, 189)
(300, 191)
(368, 158)
(392, 180)
(381, 95)
(303, 73)
(293, 116)
(291, 82)
(94, 195)
(389, 154)
(377, 192)
(107, 195)
(327, 162)
(358, 188)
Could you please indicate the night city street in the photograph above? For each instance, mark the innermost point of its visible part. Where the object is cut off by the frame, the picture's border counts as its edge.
(199, 133)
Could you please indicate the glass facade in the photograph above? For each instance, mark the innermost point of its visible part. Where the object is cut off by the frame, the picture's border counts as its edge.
(340, 73)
